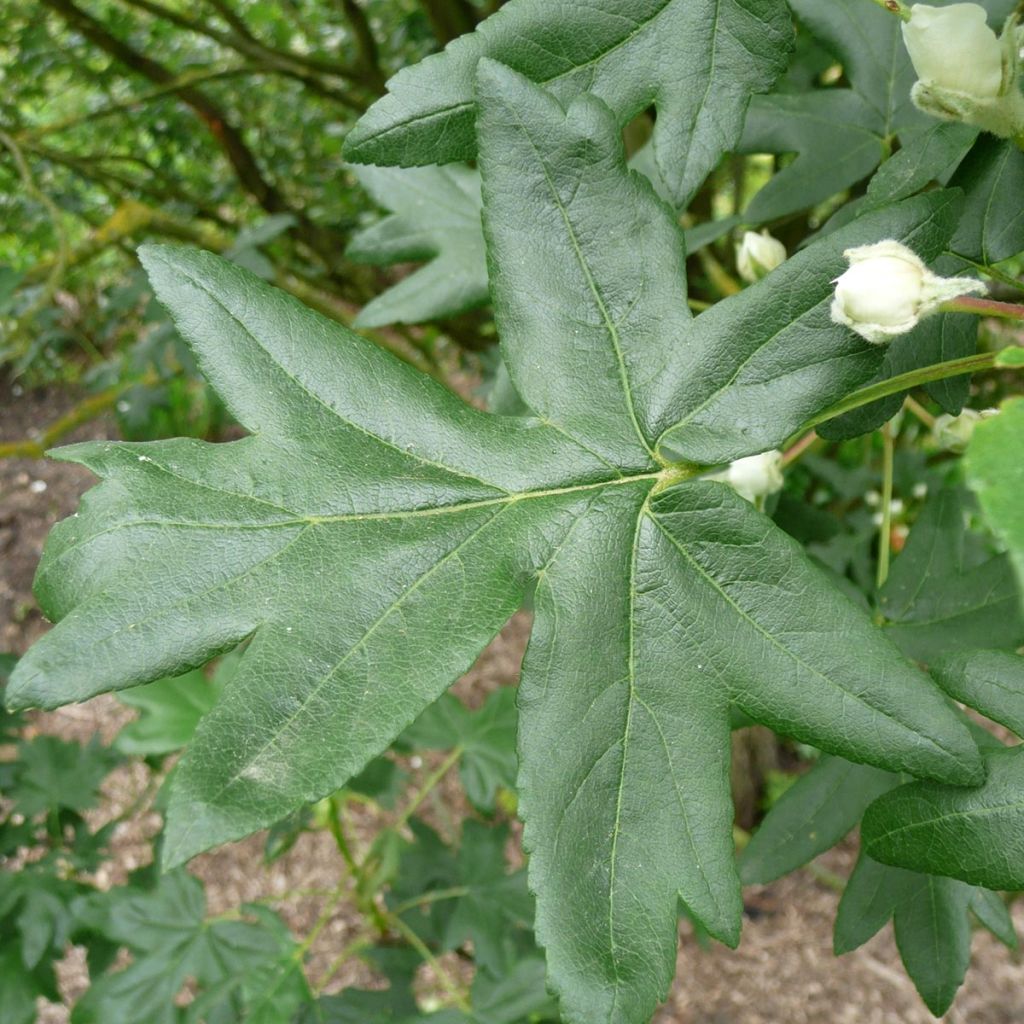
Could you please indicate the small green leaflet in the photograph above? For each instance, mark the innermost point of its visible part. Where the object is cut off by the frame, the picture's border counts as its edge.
(930, 917)
(697, 61)
(467, 896)
(991, 682)
(486, 737)
(170, 709)
(976, 835)
(812, 816)
(436, 217)
(995, 472)
(947, 590)
(375, 532)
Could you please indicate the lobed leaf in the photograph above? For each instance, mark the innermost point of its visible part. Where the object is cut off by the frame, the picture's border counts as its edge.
(700, 87)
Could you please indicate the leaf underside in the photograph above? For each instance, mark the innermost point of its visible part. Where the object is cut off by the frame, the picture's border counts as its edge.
(374, 533)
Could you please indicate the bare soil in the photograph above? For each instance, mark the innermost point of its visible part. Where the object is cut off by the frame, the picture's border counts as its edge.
(783, 973)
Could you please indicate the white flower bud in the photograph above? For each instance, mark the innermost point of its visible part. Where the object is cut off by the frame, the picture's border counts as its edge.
(954, 48)
(888, 290)
(758, 255)
(954, 433)
(755, 477)
(965, 72)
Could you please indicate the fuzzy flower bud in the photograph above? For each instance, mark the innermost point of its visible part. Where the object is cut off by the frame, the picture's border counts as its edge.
(758, 255)
(755, 477)
(954, 433)
(965, 72)
(888, 290)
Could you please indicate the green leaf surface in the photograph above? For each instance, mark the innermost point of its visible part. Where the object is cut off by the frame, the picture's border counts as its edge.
(487, 738)
(991, 682)
(995, 472)
(947, 590)
(818, 810)
(992, 177)
(630, 57)
(435, 217)
(925, 156)
(976, 835)
(869, 45)
(374, 532)
(833, 134)
(933, 930)
(496, 903)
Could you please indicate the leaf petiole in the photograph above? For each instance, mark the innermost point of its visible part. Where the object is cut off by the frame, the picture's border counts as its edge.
(902, 382)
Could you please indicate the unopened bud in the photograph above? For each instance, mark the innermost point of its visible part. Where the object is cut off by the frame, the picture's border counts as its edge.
(965, 72)
(888, 290)
(954, 433)
(755, 477)
(758, 255)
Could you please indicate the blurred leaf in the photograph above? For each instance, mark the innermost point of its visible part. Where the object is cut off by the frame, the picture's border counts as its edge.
(244, 969)
(946, 591)
(437, 218)
(995, 472)
(487, 738)
(54, 774)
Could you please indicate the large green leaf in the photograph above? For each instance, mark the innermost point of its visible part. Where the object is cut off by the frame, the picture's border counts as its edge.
(374, 533)
(436, 217)
(995, 472)
(973, 834)
(697, 61)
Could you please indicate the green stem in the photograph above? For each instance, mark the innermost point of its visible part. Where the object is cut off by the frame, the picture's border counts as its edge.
(896, 7)
(434, 896)
(442, 975)
(885, 534)
(902, 382)
(432, 780)
(984, 307)
(919, 411)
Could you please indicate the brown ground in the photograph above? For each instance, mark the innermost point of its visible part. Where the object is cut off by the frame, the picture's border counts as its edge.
(783, 973)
